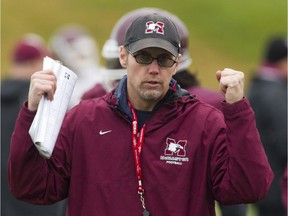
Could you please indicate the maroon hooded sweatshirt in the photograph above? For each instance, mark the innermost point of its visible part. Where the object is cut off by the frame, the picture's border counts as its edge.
(218, 157)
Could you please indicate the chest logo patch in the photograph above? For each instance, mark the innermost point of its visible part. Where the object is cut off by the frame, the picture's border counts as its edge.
(175, 152)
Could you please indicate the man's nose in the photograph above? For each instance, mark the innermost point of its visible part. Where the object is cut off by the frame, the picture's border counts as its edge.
(154, 67)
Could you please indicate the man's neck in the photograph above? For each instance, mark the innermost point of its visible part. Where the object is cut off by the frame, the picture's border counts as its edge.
(143, 116)
(141, 105)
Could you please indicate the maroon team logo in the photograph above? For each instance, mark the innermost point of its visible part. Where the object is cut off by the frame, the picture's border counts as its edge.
(157, 27)
(173, 147)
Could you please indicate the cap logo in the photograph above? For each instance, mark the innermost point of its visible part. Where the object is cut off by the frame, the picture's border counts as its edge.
(157, 27)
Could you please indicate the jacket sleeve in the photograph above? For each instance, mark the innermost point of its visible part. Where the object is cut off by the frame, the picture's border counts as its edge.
(31, 177)
(239, 169)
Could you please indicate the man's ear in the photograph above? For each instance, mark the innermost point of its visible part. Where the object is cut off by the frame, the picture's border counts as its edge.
(123, 57)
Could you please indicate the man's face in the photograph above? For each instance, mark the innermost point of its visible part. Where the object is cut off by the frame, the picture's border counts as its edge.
(148, 83)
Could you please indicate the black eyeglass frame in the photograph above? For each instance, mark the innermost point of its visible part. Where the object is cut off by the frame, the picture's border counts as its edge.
(152, 59)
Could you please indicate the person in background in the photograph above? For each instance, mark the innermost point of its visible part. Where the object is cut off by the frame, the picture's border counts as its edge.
(76, 48)
(268, 97)
(26, 57)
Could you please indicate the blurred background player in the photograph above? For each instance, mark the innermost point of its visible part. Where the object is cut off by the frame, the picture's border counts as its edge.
(26, 58)
(76, 48)
(268, 97)
(187, 80)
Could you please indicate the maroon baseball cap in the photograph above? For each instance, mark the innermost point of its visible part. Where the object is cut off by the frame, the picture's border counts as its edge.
(31, 46)
(152, 30)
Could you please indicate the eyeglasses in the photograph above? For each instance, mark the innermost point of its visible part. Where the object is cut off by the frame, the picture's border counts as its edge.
(144, 58)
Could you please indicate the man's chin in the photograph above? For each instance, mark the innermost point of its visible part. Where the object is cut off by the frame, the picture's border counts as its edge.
(152, 95)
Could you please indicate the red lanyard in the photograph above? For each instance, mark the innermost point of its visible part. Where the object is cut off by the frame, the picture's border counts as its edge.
(137, 143)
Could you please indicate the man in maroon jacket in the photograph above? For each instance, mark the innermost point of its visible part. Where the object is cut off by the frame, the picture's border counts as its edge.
(146, 147)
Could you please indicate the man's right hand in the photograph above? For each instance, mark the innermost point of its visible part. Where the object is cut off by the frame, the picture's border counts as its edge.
(41, 83)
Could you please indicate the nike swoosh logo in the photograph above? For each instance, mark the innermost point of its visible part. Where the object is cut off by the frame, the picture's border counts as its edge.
(104, 132)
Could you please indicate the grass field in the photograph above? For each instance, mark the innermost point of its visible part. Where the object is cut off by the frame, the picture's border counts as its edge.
(223, 33)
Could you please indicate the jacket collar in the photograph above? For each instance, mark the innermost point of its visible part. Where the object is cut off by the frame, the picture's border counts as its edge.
(120, 94)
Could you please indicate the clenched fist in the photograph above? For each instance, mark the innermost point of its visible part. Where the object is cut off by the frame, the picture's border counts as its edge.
(231, 84)
(41, 83)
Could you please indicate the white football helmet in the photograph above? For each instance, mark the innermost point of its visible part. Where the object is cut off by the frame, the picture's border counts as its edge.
(75, 47)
